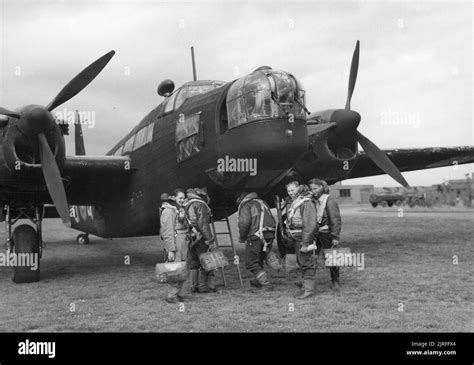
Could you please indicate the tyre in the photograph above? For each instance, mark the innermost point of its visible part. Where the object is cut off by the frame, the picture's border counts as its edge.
(25, 241)
(398, 203)
(390, 203)
(383, 203)
(374, 205)
(82, 239)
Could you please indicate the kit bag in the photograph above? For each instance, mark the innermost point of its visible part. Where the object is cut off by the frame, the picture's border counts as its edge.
(213, 260)
(171, 272)
(274, 261)
(290, 263)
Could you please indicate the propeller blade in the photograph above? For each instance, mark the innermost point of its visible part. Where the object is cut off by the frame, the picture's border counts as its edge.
(80, 81)
(353, 75)
(381, 159)
(4, 111)
(53, 180)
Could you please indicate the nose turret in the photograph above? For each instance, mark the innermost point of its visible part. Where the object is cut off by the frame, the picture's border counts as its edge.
(266, 119)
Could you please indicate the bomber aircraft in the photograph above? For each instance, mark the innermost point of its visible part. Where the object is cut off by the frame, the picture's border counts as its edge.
(202, 134)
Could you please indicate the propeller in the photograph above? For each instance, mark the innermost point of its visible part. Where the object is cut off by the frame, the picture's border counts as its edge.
(374, 153)
(381, 159)
(9, 113)
(34, 120)
(353, 75)
(52, 176)
(79, 82)
(345, 123)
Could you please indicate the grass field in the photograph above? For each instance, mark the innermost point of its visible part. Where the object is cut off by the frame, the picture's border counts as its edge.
(410, 283)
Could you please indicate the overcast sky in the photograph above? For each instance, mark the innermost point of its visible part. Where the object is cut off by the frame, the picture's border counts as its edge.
(414, 87)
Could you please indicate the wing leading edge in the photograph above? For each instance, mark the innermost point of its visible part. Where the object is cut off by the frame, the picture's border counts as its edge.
(414, 159)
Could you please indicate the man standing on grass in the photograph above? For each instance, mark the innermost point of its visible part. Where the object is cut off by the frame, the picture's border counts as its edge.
(175, 235)
(302, 226)
(202, 240)
(257, 229)
(329, 221)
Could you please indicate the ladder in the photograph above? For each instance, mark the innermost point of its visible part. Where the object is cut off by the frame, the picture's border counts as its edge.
(228, 232)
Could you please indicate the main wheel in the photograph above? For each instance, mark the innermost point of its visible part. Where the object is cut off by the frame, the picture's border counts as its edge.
(374, 205)
(390, 203)
(82, 239)
(26, 247)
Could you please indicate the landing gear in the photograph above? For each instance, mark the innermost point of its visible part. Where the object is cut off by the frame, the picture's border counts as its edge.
(82, 239)
(25, 246)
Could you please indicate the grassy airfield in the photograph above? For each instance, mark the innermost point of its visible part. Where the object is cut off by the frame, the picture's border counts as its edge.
(411, 282)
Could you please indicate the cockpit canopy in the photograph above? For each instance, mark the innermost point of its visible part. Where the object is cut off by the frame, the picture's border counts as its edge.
(188, 90)
(265, 93)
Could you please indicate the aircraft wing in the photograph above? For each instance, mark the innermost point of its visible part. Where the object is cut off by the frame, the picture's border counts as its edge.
(414, 159)
(90, 180)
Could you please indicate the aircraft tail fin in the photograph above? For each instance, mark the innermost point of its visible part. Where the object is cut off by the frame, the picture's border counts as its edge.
(78, 137)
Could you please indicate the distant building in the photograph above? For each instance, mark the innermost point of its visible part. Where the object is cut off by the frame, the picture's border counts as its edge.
(351, 194)
(457, 192)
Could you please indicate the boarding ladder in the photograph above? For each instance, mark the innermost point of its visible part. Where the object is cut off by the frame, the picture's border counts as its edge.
(236, 258)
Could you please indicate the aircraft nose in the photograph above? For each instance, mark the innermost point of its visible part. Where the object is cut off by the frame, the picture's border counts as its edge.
(275, 143)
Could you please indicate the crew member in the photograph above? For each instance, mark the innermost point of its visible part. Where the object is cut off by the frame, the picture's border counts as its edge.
(329, 221)
(301, 223)
(202, 240)
(175, 235)
(164, 198)
(257, 229)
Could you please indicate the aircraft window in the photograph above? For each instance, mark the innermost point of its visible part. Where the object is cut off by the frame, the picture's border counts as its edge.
(250, 98)
(257, 96)
(235, 105)
(119, 151)
(192, 90)
(180, 98)
(199, 89)
(187, 136)
(149, 132)
(143, 136)
(128, 146)
(285, 87)
(170, 103)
